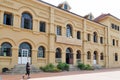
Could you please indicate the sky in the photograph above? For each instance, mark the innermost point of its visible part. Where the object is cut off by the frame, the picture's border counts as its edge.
(96, 7)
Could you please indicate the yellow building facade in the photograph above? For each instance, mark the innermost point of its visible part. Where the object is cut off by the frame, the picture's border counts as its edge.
(40, 33)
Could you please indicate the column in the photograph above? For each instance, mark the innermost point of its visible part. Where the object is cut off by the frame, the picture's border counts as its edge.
(34, 57)
(63, 57)
(15, 52)
(51, 39)
(98, 60)
(17, 21)
(52, 57)
(1, 17)
(64, 31)
(81, 60)
(84, 58)
(35, 25)
(92, 59)
(84, 41)
(74, 33)
(74, 59)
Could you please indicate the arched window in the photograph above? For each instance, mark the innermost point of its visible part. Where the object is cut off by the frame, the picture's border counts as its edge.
(101, 56)
(26, 46)
(95, 37)
(26, 21)
(41, 52)
(95, 56)
(78, 35)
(78, 55)
(58, 53)
(116, 57)
(88, 55)
(69, 31)
(6, 49)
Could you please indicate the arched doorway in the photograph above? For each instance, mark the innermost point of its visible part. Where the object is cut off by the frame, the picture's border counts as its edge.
(69, 56)
(24, 53)
(95, 57)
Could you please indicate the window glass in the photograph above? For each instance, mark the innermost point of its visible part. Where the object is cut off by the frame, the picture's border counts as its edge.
(78, 55)
(58, 53)
(88, 55)
(69, 31)
(26, 21)
(65, 6)
(42, 26)
(88, 37)
(78, 35)
(116, 57)
(41, 52)
(58, 30)
(6, 49)
(8, 19)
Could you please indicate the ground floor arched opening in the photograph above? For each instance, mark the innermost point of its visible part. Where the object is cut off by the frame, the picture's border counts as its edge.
(25, 51)
(69, 56)
(95, 57)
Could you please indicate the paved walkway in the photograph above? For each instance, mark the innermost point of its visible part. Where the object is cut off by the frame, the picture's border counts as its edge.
(62, 74)
(94, 76)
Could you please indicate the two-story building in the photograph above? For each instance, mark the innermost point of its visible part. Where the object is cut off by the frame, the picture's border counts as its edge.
(40, 33)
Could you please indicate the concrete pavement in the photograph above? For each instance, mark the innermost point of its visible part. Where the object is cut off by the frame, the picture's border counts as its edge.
(114, 75)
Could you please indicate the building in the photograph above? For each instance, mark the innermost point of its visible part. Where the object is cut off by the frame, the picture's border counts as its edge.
(40, 33)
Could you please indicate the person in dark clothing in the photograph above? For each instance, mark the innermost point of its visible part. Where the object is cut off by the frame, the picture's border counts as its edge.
(28, 69)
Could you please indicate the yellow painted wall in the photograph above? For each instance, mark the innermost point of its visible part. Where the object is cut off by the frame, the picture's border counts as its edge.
(54, 16)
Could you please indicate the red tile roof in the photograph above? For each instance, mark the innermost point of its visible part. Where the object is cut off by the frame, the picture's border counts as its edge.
(101, 16)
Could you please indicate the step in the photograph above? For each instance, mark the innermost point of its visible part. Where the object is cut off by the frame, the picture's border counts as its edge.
(73, 68)
(21, 69)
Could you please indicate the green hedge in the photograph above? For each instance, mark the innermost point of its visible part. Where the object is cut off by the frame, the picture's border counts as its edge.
(50, 68)
(84, 67)
(63, 66)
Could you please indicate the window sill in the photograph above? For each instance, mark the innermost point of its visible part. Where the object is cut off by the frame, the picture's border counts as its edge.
(41, 58)
(5, 57)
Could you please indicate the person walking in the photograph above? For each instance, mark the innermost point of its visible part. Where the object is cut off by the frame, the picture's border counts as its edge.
(28, 69)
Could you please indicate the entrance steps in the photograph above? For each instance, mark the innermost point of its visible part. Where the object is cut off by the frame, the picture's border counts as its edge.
(73, 68)
(21, 69)
(96, 66)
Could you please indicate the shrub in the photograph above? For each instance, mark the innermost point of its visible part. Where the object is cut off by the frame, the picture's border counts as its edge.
(84, 67)
(4, 69)
(88, 67)
(50, 68)
(81, 66)
(63, 66)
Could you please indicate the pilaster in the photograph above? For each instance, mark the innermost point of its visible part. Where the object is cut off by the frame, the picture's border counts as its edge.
(15, 52)
(63, 57)
(1, 17)
(51, 57)
(34, 57)
(35, 25)
(51, 40)
(84, 41)
(17, 21)
(74, 59)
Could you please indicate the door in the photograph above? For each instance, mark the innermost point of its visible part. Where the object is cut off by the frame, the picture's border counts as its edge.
(95, 58)
(69, 58)
(24, 58)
